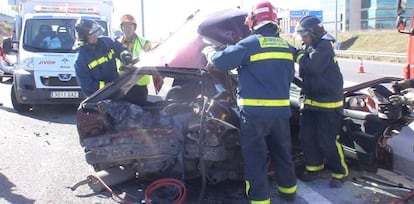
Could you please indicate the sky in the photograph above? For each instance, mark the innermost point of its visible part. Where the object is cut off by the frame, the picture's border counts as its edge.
(161, 17)
(160, 21)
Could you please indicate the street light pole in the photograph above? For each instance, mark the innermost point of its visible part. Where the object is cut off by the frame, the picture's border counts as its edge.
(336, 22)
(142, 18)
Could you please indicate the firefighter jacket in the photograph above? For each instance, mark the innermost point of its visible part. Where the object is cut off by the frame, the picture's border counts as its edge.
(96, 64)
(322, 78)
(265, 66)
(136, 47)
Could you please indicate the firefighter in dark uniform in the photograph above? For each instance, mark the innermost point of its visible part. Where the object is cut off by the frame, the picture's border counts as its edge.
(265, 66)
(322, 106)
(95, 64)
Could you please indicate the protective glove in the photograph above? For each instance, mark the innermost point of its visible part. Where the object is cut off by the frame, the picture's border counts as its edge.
(398, 100)
(401, 85)
(300, 53)
(126, 59)
(209, 52)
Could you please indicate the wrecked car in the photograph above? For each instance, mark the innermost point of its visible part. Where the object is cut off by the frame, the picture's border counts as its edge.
(190, 127)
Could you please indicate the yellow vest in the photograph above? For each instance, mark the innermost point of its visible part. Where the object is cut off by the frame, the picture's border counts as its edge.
(135, 49)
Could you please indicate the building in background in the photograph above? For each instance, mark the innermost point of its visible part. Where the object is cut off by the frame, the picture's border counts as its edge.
(352, 15)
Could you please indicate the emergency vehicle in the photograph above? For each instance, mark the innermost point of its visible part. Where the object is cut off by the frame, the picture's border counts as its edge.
(401, 26)
(45, 45)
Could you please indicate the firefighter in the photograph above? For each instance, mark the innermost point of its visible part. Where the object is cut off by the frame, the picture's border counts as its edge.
(136, 45)
(401, 85)
(265, 66)
(95, 63)
(322, 104)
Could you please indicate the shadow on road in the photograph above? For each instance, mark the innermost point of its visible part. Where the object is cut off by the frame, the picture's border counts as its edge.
(7, 194)
(62, 114)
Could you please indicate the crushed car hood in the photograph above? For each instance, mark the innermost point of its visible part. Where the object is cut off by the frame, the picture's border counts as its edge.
(183, 48)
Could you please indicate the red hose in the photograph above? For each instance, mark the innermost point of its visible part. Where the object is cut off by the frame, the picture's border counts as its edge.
(166, 182)
(124, 201)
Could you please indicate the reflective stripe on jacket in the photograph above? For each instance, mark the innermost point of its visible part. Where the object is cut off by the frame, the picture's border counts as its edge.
(265, 67)
(95, 63)
(322, 78)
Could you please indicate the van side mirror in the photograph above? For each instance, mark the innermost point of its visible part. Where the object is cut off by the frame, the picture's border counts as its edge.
(7, 46)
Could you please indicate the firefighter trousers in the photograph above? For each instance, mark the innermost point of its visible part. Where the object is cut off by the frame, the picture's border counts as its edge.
(319, 134)
(258, 137)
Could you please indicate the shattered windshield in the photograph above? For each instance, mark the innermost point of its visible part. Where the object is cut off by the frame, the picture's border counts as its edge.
(52, 35)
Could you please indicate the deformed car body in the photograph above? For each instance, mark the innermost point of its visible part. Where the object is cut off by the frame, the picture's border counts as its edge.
(191, 126)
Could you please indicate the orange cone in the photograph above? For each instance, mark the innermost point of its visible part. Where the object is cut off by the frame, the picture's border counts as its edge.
(361, 68)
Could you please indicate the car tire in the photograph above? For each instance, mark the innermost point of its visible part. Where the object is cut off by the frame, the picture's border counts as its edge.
(19, 107)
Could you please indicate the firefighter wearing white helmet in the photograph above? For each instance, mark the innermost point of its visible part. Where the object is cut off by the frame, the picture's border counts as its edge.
(136, 45)
(265, 66)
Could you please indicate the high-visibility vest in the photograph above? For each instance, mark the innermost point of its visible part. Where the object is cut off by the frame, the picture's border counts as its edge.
(136, 51)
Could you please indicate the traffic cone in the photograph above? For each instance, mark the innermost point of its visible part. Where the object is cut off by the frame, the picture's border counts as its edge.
(361, 68)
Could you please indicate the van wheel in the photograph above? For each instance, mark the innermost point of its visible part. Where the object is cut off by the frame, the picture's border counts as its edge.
(21, 108)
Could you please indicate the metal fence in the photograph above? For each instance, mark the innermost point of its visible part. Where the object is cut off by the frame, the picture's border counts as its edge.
(399, 57)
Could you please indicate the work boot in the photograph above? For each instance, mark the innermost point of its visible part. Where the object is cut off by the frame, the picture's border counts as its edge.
(309, 176)
(336, 183)
(289, 197)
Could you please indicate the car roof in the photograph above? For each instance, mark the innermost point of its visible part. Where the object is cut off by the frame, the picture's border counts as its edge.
(183, 48)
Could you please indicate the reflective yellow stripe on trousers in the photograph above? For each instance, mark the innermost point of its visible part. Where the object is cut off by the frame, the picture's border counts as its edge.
(247, 188)
(263, 102)
(336, 104)
(271, 55)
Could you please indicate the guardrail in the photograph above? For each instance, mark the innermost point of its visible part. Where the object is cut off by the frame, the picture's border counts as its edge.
(371, 55)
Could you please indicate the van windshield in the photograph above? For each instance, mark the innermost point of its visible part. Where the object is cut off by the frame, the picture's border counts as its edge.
(52, 35)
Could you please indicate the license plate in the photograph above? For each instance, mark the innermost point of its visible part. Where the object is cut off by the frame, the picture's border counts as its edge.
(64, 94)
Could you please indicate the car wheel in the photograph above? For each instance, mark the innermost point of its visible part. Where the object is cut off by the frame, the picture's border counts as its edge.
(21, 108)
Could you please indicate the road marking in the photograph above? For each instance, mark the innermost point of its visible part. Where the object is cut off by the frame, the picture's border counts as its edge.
(311, 196)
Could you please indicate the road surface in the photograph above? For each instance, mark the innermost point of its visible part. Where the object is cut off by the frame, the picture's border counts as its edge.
(41, 157)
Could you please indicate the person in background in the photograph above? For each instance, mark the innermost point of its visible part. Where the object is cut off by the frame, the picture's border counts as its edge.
(265, 66)
(136, 45)
(46, 38)
(95, 63)
(322, 105)
(399, 86)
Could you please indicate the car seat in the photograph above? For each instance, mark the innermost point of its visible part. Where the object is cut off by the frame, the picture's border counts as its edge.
(65, 37)
(44, 32)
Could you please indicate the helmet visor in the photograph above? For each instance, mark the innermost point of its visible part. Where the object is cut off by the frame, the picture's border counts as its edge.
(96, 29)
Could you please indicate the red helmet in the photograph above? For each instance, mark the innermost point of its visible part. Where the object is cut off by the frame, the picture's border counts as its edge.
(262, 14)
(128, 18)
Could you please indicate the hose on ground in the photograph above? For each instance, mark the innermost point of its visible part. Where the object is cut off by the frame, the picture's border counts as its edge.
(163, 183)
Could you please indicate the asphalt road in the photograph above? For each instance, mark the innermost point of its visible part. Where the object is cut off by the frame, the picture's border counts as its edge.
(350, 69)
(40, 157)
